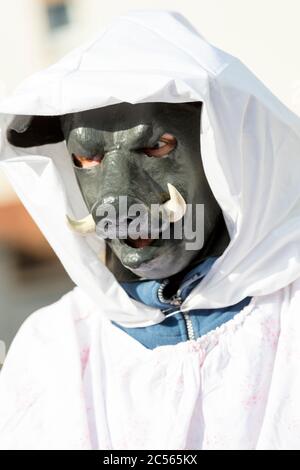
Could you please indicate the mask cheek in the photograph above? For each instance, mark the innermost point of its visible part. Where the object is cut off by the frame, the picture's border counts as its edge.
(89, 182)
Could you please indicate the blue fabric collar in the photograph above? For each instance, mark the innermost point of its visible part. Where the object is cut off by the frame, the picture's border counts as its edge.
(174, 328)
(148, 291)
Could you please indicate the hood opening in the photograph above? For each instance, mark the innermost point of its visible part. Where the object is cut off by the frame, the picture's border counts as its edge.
(250, 147)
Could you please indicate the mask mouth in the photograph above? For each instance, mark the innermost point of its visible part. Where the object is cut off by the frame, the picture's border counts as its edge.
(145, 241)
(138, 242)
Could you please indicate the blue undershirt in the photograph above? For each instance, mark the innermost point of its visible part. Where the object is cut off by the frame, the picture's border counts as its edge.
(177, 327)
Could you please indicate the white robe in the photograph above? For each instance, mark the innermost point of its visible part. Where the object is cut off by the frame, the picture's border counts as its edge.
(74, 381)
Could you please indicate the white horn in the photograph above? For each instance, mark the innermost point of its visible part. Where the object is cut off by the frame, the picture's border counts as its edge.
(83, 226)
(175, 207)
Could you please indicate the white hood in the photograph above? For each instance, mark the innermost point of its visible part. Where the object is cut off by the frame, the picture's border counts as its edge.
(250, 147)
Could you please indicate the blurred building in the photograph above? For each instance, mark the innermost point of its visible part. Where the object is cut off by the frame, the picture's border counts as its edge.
(34, 33)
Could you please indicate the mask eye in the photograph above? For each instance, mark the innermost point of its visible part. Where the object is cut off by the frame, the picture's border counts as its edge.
(163, 147)
(82, 161)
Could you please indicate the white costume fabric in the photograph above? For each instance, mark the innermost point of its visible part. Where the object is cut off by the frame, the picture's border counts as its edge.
(72, 380)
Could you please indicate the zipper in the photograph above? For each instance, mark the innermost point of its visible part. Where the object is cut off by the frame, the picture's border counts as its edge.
(177, 300)
(189, 325)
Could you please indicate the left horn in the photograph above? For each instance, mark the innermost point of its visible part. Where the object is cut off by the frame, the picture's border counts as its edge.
(83, 226)
(175, 207)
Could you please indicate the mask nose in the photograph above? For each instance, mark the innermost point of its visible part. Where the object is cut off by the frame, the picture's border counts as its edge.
(125, 187)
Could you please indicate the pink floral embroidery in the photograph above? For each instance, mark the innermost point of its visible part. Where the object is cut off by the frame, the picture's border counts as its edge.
(84, 357)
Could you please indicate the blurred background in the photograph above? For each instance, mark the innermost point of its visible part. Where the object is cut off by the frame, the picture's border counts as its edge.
(264, 34)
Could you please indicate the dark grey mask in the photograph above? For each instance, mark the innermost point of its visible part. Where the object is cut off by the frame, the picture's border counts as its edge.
(134, 150)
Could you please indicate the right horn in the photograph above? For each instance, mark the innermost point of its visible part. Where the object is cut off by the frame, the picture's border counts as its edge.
(175, 207)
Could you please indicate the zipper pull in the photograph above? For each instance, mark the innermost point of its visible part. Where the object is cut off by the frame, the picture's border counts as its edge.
(174, 300)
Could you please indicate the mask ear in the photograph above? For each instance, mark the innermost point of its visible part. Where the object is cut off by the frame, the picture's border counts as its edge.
(31, 131)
